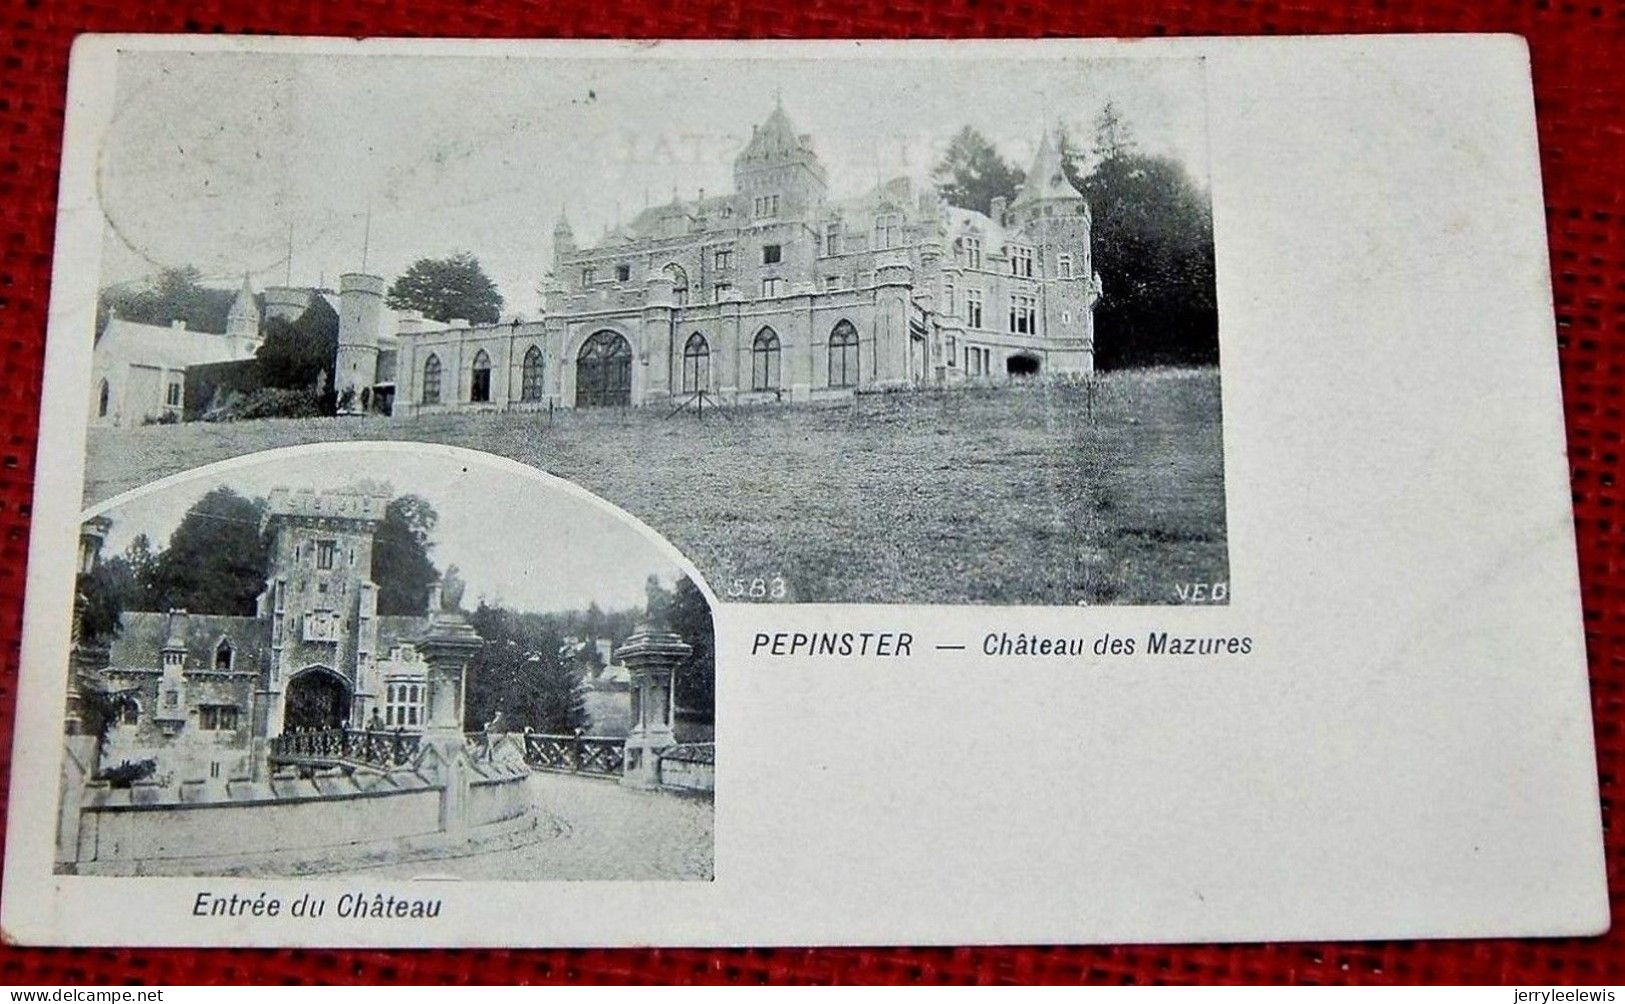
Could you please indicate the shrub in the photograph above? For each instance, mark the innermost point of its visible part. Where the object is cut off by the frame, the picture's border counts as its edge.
(128, 772)
(268, 402)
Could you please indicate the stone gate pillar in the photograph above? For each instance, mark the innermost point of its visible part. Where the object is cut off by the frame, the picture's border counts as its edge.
(447, 645)
(650, 656)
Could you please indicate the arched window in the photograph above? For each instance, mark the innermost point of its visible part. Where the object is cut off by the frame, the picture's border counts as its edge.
(431, 379)
(679, 283)
(102, 400)
(130, 712)
(696, 364)
(843, 355)
(222, 656)
(764, 361)
(479, 388)
(530, 376)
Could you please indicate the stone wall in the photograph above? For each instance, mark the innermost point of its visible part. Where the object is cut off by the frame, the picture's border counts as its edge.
(286, 813)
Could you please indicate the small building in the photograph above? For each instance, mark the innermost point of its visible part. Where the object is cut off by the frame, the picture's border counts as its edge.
(138, 371)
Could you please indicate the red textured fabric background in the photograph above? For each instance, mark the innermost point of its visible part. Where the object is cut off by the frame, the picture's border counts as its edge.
(1578, 51)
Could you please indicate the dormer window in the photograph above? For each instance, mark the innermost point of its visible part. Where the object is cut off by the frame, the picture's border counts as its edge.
(222, 656)
(973, 252)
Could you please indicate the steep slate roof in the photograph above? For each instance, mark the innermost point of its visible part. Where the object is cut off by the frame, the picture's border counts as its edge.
(1047, 177)
(244, 307)
(774, 139)
(143, 635)
(397, 630)
(162, 345)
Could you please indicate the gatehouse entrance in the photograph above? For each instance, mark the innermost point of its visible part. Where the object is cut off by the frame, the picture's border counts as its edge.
(317, 699)
(604, 372)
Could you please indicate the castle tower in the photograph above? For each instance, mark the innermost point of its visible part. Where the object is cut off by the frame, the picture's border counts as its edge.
(780, 162)
(243, 321)
(361, 305)
(1053, 216)
(322, 605)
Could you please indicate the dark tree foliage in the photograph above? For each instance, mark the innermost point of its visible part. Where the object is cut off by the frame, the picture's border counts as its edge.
(216, 559)
(447, 288)
(401, 565)
(972, 174)
(1153, 248)
(300, 354)
(173, 294)
(689, 616)
(106, 592)
(519, 671)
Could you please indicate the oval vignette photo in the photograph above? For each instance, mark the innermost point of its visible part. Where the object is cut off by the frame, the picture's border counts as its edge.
(396, 660)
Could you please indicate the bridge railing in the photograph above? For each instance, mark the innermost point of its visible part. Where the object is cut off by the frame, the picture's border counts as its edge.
(603, 756)
(374, 748)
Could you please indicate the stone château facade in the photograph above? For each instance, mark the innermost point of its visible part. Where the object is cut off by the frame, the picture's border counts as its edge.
(778, 291)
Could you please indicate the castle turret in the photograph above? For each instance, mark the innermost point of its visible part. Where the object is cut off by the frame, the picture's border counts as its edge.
(1052, 217)
(778, 170)
(361, 305)
(243, 321)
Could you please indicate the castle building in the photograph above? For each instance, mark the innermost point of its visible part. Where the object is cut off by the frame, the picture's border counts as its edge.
(779, 291)
(209, 691)
(138, 371)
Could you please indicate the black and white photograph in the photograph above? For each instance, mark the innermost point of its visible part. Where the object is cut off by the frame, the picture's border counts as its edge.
(862, 330)
(344, 661)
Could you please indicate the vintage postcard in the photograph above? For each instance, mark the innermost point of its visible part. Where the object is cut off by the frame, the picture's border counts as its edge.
(595, 493)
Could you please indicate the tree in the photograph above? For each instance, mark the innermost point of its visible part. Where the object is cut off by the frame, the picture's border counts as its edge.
(1114, 137)
(689, 616)
(1153, 248)
(301, 354)
(173, 294)
(216, 559)
(520, 672)
(972, 174)
(447, 288)
(401, 565)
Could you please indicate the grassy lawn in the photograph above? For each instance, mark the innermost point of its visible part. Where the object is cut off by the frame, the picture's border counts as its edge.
(998, 495)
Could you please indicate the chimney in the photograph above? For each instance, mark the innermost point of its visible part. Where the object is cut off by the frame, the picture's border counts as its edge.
(999, 204)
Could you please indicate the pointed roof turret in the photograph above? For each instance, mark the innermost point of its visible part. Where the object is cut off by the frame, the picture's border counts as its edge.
(244, 306)
(243, 320)
(775, 139)
(1046, 179)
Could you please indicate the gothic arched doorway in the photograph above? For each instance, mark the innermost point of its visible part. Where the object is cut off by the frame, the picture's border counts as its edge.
(317, 698)
(604, 371)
